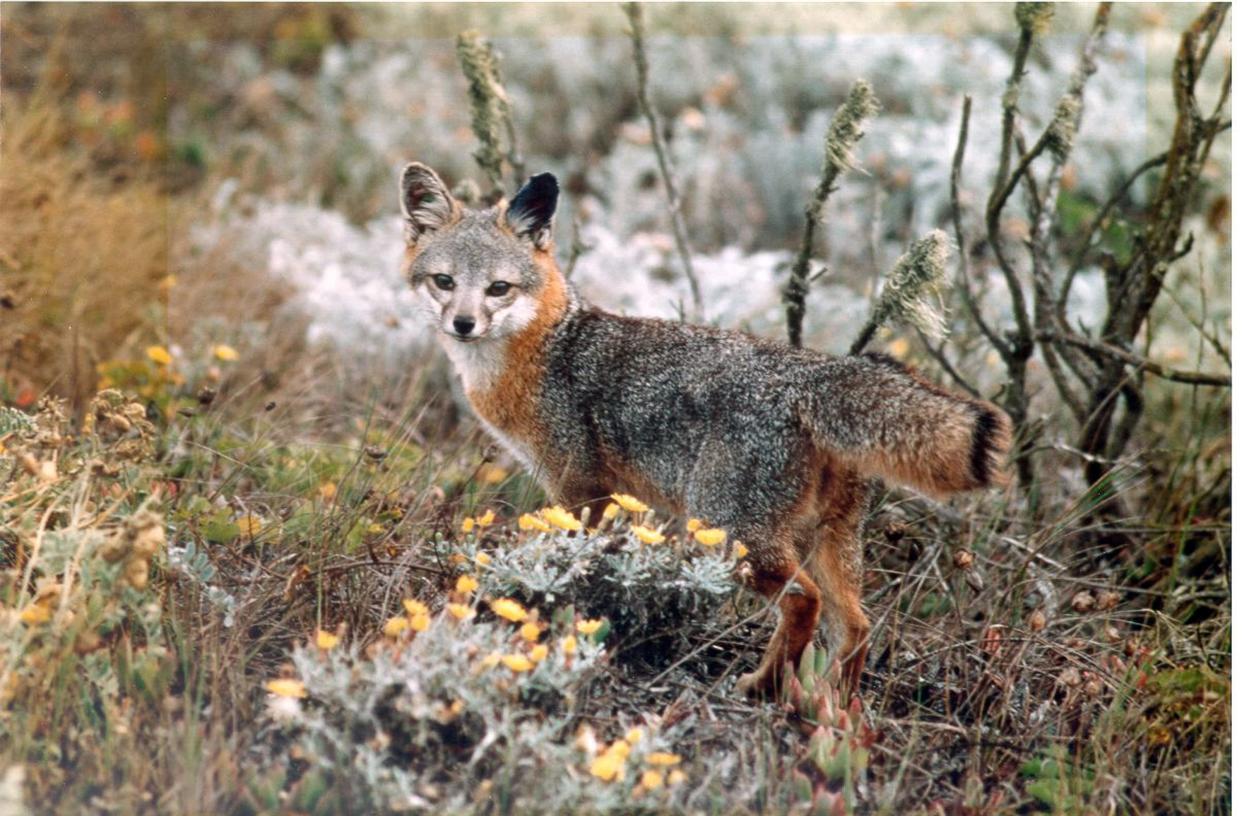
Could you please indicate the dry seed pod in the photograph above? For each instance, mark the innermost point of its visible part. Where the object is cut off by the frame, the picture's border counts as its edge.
(963, 559)
(137, 572)
(1037, 621)
(1083, 602)
(146, 531)
(87, 642)
(1108, 600)
(115, 548)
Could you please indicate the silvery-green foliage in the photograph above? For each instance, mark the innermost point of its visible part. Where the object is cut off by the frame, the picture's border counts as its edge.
(15, 421)
(638, 588)
(195, 564)
(432, 724)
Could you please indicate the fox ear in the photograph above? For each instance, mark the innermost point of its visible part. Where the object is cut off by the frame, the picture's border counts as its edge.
(425, 200)
(530, 212)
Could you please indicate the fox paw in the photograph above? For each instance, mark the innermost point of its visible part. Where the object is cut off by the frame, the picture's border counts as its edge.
(759, 683)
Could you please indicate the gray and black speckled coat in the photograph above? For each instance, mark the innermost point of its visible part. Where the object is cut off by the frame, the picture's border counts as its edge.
(772, 443)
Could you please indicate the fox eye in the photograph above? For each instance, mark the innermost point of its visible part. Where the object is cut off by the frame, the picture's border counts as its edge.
(498, 288)
(444, 282)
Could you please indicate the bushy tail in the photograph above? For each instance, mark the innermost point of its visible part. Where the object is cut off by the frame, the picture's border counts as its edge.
(886, 420)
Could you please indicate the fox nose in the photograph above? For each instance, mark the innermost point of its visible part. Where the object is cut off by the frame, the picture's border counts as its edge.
(463, 325)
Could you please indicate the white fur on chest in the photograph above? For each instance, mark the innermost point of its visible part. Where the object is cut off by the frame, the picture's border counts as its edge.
(479, 364)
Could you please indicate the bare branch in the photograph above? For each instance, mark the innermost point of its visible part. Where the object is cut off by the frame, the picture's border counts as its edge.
(1058, 139)
(955, 198)
(1143, 363)
(1021, 344)
(937, 353)
(1100, 217)
(635, 14)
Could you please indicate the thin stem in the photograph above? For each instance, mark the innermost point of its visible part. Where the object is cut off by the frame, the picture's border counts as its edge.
(1142, 363)
(635, 14)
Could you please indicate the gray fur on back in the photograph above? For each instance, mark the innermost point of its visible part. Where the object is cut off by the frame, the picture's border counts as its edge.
(716, 420)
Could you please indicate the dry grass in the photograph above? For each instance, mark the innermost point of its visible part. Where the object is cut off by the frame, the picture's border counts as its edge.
(82, 256)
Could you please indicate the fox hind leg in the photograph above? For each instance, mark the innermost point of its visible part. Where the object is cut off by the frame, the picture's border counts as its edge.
(842, 602)
(833, 552)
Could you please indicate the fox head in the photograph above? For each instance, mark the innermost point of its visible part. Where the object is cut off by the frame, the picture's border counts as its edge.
(479, 275)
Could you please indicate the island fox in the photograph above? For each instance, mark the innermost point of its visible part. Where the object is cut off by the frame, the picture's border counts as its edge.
(772, 443)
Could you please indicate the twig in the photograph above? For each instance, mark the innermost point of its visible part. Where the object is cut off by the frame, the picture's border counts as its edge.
(1100, 217)
(996, 202)
(937, 354)
(576, 247)
(635, 14)
(955, 179)
(1059, 138)
(1143, 363)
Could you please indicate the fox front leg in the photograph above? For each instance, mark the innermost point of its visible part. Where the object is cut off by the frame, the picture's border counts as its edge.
(777, 575)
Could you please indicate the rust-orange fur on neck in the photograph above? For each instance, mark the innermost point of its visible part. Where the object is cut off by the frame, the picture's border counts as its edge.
(509, 402)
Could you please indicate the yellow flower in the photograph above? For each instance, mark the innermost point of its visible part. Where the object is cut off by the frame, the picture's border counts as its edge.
(899, 347)
(395, 626)
(742, 550)
(327, 491)
(610, 512)
(693, 525)
(560, 517)
(491, 661)
(652, 779)
(662, 758)
(486, 519)
(413, 607)
(460, 611)
(646, 534)
(676, 777)
(530, 631)
(633, 736)
(34, 614)
(492, 474)
(589, 627)
(420, 623)
(629, 503)
(539, 653)
(710, 538)
(159, 354)
(569, 644)
(250, 525)
(528, 522)
(286, 688)
(517, 662)
(326, 640)
(620, 748)
(467, 525)
(226, 353)
(482, 559)
(607, 766)
(508, 609)
(466, 584)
